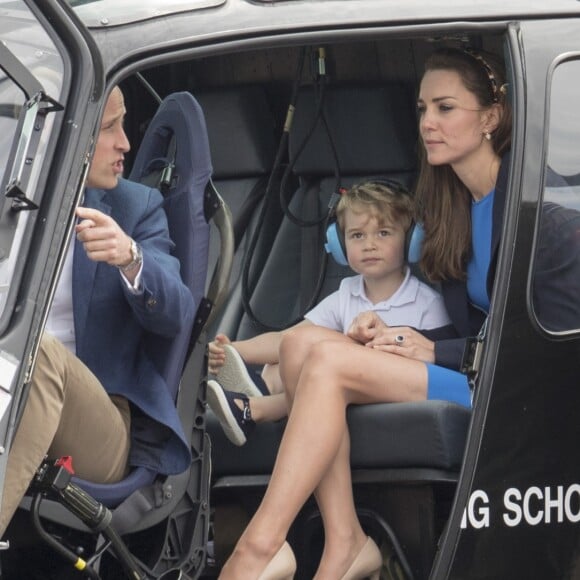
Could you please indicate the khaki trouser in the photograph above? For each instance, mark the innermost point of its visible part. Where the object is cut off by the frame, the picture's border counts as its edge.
(67, 412)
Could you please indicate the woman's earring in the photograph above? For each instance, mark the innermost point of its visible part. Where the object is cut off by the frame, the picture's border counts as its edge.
(487, 135)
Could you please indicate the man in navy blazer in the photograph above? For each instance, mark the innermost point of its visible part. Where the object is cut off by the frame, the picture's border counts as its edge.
(95, 395)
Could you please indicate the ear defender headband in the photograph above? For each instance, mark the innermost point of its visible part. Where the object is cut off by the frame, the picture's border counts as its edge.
(335, 243)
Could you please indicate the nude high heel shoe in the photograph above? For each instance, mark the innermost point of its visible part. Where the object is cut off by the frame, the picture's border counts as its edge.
(282, 566)
(367, 564)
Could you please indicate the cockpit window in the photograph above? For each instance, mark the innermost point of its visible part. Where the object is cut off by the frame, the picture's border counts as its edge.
(31, 78)
(556, 283)
(563, 177)
(11, 101)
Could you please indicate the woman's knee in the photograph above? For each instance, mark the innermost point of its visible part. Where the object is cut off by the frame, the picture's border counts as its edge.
(297, 342)
(312, 345)
(322, 365)
(328, 359)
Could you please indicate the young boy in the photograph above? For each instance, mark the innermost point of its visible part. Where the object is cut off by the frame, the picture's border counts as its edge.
(374, 219)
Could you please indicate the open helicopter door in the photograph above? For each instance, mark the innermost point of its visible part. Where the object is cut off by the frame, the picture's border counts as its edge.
(517, 508)
(51, 94)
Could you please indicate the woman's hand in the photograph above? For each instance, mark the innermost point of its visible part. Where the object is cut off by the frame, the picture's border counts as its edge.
(216, 353)
(403, 341)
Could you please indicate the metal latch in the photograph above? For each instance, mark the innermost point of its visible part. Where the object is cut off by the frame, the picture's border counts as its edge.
(472, 355)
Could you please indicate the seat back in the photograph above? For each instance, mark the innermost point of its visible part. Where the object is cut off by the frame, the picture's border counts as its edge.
(175, 154)
(242, 129)
(371, 133)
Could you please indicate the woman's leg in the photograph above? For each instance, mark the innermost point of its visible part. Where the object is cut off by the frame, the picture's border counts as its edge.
(275, 407)
(344, 536)
(334, 492)
(334, 374)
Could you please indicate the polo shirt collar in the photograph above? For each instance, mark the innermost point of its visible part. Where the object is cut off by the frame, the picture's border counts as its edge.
(406, 292)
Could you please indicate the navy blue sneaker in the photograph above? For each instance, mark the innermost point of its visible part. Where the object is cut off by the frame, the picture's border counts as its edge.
(237, 423)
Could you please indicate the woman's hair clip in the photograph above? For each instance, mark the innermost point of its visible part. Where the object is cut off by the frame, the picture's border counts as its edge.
(489, 72)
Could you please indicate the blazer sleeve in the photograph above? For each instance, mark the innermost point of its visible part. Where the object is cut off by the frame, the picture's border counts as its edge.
(449, 353)
(449, 346)
(165, 304)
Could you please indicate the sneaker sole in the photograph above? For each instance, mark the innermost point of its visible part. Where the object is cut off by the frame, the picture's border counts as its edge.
(218, 403)
(234, 376)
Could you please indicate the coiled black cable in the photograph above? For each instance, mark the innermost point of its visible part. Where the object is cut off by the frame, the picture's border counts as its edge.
(319, 116)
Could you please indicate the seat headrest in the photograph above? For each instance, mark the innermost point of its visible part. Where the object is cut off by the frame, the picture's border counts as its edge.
(373, 129)
(241, 131)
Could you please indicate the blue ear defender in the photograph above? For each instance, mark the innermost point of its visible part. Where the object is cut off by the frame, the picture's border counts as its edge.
(336, 247)
(335, 244)
(415, 242)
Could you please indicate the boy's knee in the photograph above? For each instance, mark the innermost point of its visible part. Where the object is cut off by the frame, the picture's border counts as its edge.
(289, 344)
(292, 336)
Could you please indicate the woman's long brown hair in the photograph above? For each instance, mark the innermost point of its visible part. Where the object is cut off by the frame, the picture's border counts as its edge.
(443, 201)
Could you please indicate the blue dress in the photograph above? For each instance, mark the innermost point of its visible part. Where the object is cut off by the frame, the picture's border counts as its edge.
(447, 384)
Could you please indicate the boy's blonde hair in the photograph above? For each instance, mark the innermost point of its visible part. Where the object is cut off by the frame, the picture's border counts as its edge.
(387, 204)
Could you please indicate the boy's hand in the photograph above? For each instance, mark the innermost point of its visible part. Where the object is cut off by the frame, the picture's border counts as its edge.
(365, 327)
(216, 353)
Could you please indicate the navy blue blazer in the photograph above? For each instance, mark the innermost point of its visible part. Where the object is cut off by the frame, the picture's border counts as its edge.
(111, 322)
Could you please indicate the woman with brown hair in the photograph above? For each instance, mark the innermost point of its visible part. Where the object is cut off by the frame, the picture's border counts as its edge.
(465, 123)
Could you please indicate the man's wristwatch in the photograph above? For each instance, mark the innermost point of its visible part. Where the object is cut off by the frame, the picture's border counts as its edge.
(136, 258)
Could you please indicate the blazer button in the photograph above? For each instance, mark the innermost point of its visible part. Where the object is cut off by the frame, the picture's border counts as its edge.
(151, 303)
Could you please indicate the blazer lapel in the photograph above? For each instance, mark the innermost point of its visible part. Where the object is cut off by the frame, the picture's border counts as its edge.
(84, 271)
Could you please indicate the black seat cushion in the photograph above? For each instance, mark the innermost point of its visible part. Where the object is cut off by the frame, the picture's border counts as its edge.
(427, 434)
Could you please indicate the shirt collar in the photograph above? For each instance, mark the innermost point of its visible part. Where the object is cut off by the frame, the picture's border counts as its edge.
(405, 293)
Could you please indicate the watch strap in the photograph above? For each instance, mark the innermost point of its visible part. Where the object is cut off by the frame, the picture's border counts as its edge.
(136, 258)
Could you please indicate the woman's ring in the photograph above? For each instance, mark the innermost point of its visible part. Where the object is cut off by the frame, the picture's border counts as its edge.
(399, 339)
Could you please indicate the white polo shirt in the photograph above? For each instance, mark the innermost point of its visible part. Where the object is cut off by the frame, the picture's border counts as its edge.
(414, 304)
